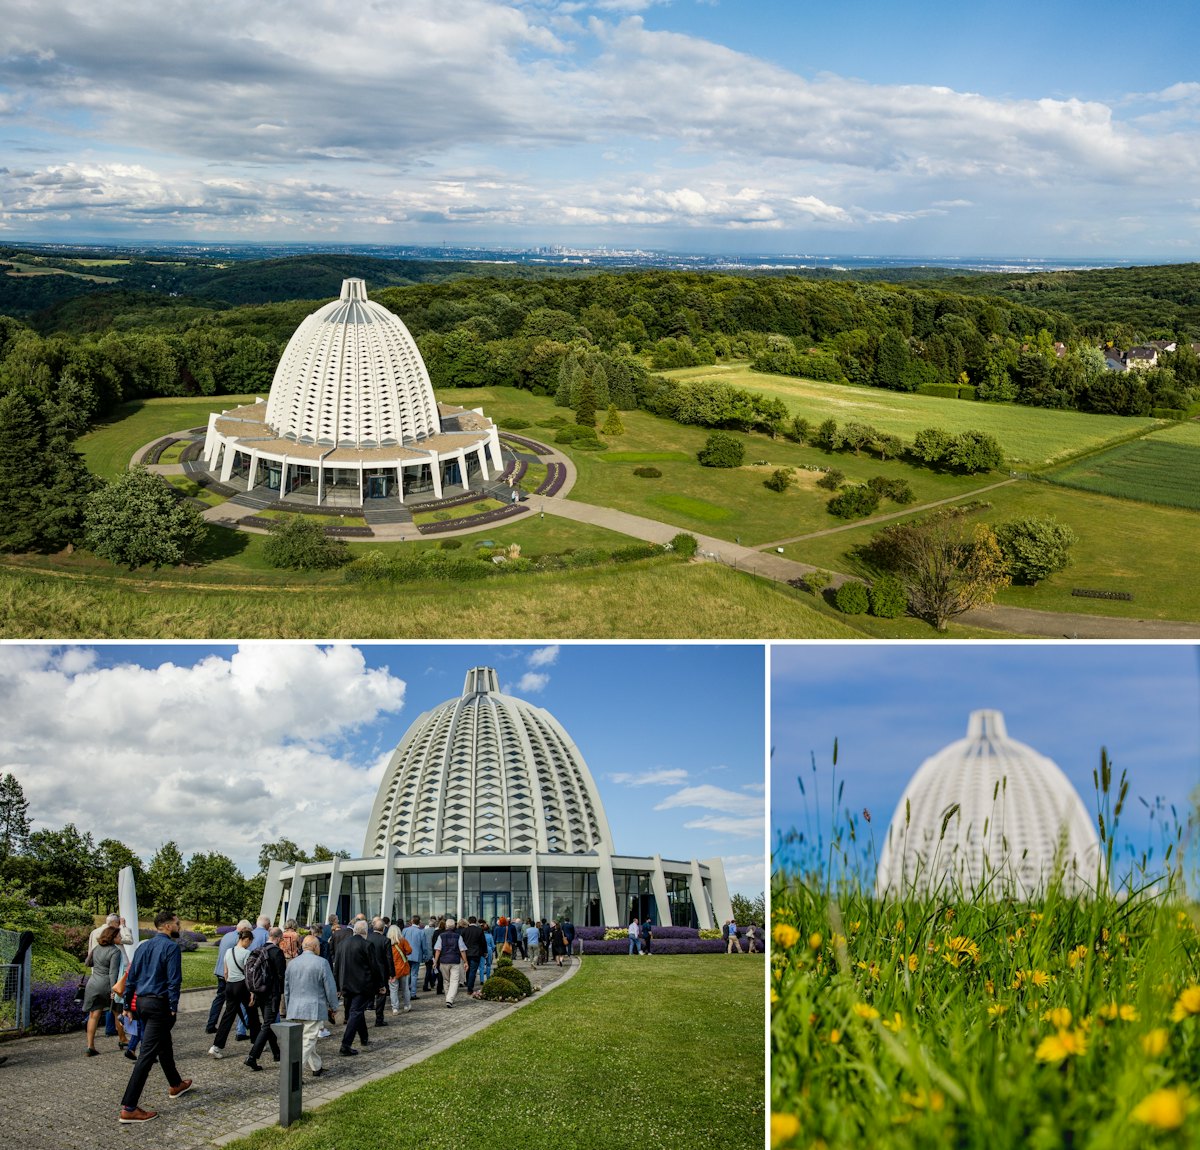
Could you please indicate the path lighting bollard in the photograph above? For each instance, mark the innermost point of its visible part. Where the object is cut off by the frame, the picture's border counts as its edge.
(291, 1093)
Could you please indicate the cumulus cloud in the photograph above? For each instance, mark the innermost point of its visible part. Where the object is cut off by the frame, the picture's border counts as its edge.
(531, 683)
(223, 755)
(543, 656)
(732, 813)
(660, 777)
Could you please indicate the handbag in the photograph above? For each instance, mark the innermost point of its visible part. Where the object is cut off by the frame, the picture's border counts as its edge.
(506, 948)
(79, 990)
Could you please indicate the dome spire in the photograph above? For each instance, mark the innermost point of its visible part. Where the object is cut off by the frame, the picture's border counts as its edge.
(354, 289)
(986, 725)
(481, 681)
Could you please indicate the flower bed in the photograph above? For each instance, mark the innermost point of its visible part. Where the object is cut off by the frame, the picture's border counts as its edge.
(53, 1009)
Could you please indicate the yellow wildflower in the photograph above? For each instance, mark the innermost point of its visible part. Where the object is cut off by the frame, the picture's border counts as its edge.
(1188, 1004)
(1037, 978)
(854, 926)
(960, 947)
(935, 1100)
(1062, 1045)
(1123, 1011)
(1164, 1109)
(784, 1127)
(899, 925)
(990, 987)
(914, 960)
(774, 997)
(865, 1011)
(1077, 956)
(895, 1024)
(786, 936)
(1035, 916)
(997, 1009)
(835, 1036)
(1155, 1041)
(1058, 1016)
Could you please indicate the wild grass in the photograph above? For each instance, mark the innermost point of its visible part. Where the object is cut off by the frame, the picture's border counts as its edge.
(1152, 470)
(1030, 436)
(941, 1019)
(657, 598)
(612, 1057)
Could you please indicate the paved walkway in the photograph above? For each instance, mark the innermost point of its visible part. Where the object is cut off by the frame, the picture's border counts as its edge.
(52, 1096)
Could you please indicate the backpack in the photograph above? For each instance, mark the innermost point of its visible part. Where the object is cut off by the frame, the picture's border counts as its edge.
(258, 972)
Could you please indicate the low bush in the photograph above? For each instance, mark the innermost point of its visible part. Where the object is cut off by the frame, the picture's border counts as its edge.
(851, 598)
(722, 450)
(853, 502)
(552, 421)
(575, 433)
(518, 979)
(898, 490)
(301, 545)
(779, 480)
(832, 479)
(53, 1009)
(450, 544)
(634, 551)
(514, 423)
(499, 989)
(72, 939)
(647, 472)
(888, 598)
(684, 544)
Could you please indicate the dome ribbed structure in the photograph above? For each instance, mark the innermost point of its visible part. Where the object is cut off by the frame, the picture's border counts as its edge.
(990, 817)
(352, 376)
(487, 773)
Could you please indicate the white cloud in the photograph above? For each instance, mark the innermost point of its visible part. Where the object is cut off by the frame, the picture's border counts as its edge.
(718, 798)
(543, 656)
(532, 682)
(661, 777)
(224, 755)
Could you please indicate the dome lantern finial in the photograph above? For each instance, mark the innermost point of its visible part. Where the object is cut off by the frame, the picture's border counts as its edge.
(986, 725)
(481, 681)
(354, 289)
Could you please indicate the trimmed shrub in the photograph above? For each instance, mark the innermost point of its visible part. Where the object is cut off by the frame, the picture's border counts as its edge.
(898, 490)
(450, 544)
(722, 450)
(519, 979)
(647, 472)
(53, 1009)
(684, 544)
(851, 598)
(636, 551)
(499, 989)
(779, 480)
(573, 433)
(552, 421)
(853, 502)
(888, 597)
(832, 479)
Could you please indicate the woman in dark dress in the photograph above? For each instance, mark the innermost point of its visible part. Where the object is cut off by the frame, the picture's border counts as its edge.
(558, 942)
(106, 969)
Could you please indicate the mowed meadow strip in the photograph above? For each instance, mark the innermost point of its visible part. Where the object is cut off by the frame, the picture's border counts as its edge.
(618, 1056)
(1152, 470)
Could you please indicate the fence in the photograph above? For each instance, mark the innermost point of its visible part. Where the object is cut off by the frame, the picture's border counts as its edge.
(15, 976)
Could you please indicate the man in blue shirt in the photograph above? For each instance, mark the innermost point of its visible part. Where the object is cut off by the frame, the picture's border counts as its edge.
(153, 981)
(228, 942)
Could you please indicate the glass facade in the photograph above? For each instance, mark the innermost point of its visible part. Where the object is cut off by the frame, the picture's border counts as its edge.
(573, 894)
(494, 891)
(313, 902)
(429, 893)
(366, 894)
(635, 896)
(679, 895)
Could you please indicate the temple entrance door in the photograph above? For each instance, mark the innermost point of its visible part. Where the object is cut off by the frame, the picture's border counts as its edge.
(494, 903)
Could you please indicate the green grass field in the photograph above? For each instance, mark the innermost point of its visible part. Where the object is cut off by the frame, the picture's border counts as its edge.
(614, 1056)
(1030, 436)
(198, 968)
(658, 598)
(1162, 468)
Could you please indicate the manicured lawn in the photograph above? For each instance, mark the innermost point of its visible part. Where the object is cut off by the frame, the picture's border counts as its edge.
(198, 968)
(1123, 546)
(1030, 436)
(193, 489)
(658, 598)
(109, 447)
(462, 511)
(615, 1057)
(323, 520)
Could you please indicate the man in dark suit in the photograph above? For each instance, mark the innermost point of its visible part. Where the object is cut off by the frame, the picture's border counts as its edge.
(472, 935)
(358, 979)
(381, 954)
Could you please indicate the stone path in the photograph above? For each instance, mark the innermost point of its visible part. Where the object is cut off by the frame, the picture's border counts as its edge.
(52, 1096)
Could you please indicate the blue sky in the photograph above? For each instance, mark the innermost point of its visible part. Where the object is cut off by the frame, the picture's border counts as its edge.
(1048, 129)
(224, 747)
(891, 707)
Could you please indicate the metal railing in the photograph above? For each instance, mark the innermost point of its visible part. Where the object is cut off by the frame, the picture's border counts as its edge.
(16, 972)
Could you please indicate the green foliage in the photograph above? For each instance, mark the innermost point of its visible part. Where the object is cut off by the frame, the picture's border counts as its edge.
(450, 544)
(888, 598)
(499, 988)
(1035, 548)
(1153, 470)
(213, 888)
(748, 910)
(898, 490)
(647, 472)
(721, 450)
(827, 435)
(853, 502)
(518, 979)
(14, 817)
(300, 544)
(779, 480)
(166, 876)
(612, 423)
(976, 451)
(851, 598)
(684, 544)
(136, 521)
(831, 479)
(575, 434)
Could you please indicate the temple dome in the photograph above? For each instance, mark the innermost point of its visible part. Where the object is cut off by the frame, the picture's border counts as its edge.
(351, 376)
(486, 772)
(990, 816)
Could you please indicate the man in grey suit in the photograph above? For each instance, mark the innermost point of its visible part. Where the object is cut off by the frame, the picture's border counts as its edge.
(311, 997)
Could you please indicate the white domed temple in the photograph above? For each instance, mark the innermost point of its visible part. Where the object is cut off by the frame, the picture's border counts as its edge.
(487, 807)
(351, 415)
(991, 817)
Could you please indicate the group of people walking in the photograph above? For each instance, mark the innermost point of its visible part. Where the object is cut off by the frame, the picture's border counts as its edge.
(264, 970)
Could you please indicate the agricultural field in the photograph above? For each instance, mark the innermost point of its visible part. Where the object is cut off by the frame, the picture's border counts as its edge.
(1030, 436)
(947, 1021)
(1163, 468)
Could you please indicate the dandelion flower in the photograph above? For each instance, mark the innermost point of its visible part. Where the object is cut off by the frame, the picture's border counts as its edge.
(1060, 1046)
(895, 1024)
(1188, 1004)
(1164, 1109)
(865, 1011)
(914, 960)
(935, 1100)
(1058, 1016)
(997, 1009)
(1077, 956)
(959, 948)
(1123, 1011)
(786, 936)
(784, 1127)
(1155, 1041)
(835, 1036)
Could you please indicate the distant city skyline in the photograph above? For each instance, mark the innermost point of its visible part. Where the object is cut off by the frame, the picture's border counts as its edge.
(688, 126)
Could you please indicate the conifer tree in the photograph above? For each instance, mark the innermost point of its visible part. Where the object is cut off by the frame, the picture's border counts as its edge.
(613, 424)
(14, 817)
(585, 411)
(562, 396)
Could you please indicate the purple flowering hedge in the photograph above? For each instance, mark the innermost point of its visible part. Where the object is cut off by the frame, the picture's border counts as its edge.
(224, 930)
(53, 1009)
(192, 936)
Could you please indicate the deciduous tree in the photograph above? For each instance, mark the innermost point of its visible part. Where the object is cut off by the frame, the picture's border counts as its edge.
(1035, 548)
(137, 520)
